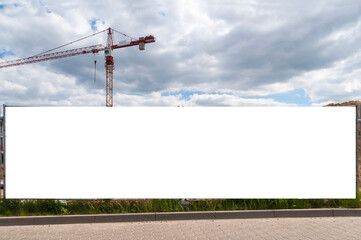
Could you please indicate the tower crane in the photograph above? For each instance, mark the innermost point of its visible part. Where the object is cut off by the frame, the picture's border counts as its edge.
(108, 51)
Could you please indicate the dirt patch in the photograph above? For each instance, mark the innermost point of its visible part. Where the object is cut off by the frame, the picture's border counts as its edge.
(350, 103)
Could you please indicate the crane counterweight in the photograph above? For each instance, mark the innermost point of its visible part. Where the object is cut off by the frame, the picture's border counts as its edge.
(141, 43)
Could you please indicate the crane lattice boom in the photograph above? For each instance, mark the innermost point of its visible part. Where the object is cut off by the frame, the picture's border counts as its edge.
(51, 56)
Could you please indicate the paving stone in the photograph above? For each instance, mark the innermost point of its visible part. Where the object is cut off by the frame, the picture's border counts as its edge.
(254, 228)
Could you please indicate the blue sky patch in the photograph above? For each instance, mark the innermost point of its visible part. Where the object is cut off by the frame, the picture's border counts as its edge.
(297, 96)
(134, 94)
(162, 13)
(2, 6)
(186, 95)
(43, 5)
(93, 23)
(4, 53)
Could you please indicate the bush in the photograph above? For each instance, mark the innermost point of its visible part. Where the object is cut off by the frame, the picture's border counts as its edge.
(10, 207)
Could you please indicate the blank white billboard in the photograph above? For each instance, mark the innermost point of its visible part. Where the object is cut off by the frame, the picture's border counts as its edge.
(170, 152)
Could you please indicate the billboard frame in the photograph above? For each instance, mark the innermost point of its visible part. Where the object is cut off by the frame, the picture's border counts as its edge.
(3, 141)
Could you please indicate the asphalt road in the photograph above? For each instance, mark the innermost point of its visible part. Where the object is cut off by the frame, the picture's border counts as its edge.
(344, 228)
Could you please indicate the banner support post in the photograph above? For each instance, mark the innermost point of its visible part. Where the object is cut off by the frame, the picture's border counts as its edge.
(358, 120)
(3, 152)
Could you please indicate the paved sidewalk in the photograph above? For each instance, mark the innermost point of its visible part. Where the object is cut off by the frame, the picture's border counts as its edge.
(345, 228)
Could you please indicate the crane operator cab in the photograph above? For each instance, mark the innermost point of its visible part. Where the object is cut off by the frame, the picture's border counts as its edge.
(108, 52)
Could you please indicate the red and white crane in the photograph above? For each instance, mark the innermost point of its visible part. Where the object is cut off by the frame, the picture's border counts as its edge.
(108, 51)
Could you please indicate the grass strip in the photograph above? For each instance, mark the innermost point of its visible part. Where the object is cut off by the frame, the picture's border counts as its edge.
(17, 207)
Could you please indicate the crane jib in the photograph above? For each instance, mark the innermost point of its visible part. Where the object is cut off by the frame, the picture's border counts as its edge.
(72, 52)
(51, 56)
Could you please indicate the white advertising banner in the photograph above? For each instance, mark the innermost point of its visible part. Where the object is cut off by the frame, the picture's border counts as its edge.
(174, 152)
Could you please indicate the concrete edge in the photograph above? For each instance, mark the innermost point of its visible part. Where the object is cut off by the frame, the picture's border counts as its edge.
(167, 216)
(170, 216)
(243, 214)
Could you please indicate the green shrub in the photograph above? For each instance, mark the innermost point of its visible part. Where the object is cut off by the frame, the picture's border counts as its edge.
(49, 206)
(10, 207)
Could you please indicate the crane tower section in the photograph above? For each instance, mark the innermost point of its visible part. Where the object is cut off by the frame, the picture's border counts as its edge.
(109, 67)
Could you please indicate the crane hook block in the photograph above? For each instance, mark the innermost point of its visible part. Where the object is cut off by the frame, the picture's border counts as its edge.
(141, 43)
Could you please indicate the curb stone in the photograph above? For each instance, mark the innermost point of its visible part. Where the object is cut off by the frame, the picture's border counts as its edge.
(171, 216)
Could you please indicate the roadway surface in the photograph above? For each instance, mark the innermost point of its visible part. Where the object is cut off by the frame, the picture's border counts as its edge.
(344, 228)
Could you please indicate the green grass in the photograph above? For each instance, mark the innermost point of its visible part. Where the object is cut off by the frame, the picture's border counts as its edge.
(55, 207)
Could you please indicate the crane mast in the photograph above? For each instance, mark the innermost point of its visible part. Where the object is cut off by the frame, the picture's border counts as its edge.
(109, 67)
(108, 51)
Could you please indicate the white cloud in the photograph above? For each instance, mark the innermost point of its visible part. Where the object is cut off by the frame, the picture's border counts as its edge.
(338, 83)
(230, 100)
(247, 48)
(195, 100)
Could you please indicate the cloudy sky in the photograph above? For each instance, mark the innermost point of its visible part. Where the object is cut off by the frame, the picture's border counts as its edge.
(207, 52)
